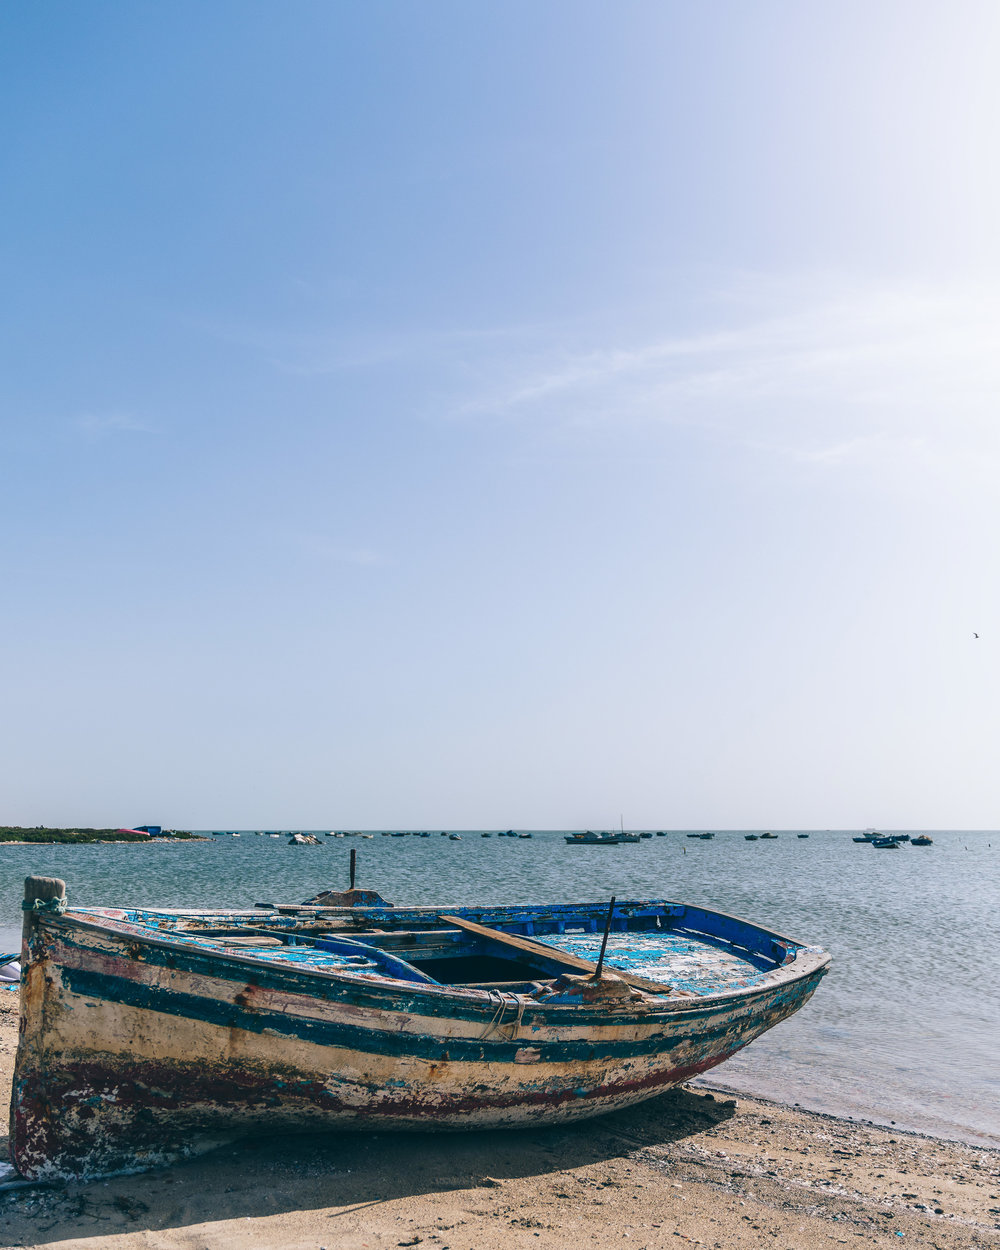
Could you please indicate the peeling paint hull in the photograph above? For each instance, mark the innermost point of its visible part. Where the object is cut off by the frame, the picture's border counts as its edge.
(138, 1050)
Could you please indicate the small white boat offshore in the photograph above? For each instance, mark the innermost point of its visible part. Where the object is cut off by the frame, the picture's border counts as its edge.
(151, 1035)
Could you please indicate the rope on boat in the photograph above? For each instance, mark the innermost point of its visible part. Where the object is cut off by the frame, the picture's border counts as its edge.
(55, 906)
(496, 1019)
(497, 1023)
(515, 1026)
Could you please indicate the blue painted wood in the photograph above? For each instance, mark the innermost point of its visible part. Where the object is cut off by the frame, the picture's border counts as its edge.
(383, 961)
(690, 948)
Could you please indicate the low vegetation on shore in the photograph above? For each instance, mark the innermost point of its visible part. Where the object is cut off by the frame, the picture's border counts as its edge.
(39, 833)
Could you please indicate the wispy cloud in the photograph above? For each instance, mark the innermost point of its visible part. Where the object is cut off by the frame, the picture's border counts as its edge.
(864, 374)
(105, 424)
(831, 372)
(316, 352)
(334, 551)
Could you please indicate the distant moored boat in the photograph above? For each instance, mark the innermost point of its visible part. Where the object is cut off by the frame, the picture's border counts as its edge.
(600, 839)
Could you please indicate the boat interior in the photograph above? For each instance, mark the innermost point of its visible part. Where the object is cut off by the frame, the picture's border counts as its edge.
(656, 946)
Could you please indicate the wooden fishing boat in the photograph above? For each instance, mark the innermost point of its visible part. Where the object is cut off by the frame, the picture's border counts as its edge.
(600, 839)
(150, 1035)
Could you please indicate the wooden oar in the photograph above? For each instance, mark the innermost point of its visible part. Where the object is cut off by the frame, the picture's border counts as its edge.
(571, 963)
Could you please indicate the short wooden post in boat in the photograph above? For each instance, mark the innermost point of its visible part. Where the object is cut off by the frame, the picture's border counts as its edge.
(604, 940)
(40, 894)
(354, 863)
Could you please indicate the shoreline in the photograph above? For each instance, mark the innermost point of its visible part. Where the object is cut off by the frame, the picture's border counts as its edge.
(972, 1138)
(105, 841)
(693, 1166)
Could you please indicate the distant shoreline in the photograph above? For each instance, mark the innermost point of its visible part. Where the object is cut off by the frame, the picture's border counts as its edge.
(43, 835)
(100, 842)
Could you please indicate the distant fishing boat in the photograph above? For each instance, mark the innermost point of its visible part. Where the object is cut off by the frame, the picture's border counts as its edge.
(771, 836)
(922, 840)
(600, 839)
(750, 837)
(885, 844)
(802, 835)
(151, 1035)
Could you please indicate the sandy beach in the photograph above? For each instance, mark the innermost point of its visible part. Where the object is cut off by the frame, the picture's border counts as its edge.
(689, 1168)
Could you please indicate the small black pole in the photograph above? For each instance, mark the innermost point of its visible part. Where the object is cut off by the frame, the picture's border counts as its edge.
(354, 864)
(604, 940)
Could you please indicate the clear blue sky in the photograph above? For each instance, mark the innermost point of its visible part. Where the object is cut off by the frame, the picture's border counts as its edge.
(516, 414)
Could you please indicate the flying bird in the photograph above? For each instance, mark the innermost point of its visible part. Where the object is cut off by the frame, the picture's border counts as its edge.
(975, 635)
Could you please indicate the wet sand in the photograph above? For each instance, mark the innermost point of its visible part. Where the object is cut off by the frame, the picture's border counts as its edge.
(688, 1168)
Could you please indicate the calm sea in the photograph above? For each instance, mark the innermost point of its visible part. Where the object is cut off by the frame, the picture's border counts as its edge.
(904, 1029)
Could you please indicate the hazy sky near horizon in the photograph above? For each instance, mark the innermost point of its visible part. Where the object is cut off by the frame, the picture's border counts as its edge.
(514, 414)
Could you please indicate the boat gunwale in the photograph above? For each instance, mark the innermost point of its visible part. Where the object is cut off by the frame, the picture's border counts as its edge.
(805, 962)
(321, 912)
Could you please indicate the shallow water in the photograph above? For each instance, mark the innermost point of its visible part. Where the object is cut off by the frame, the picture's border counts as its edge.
(902, 1030)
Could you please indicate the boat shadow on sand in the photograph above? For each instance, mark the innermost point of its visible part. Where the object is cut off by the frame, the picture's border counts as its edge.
(344, 1173)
